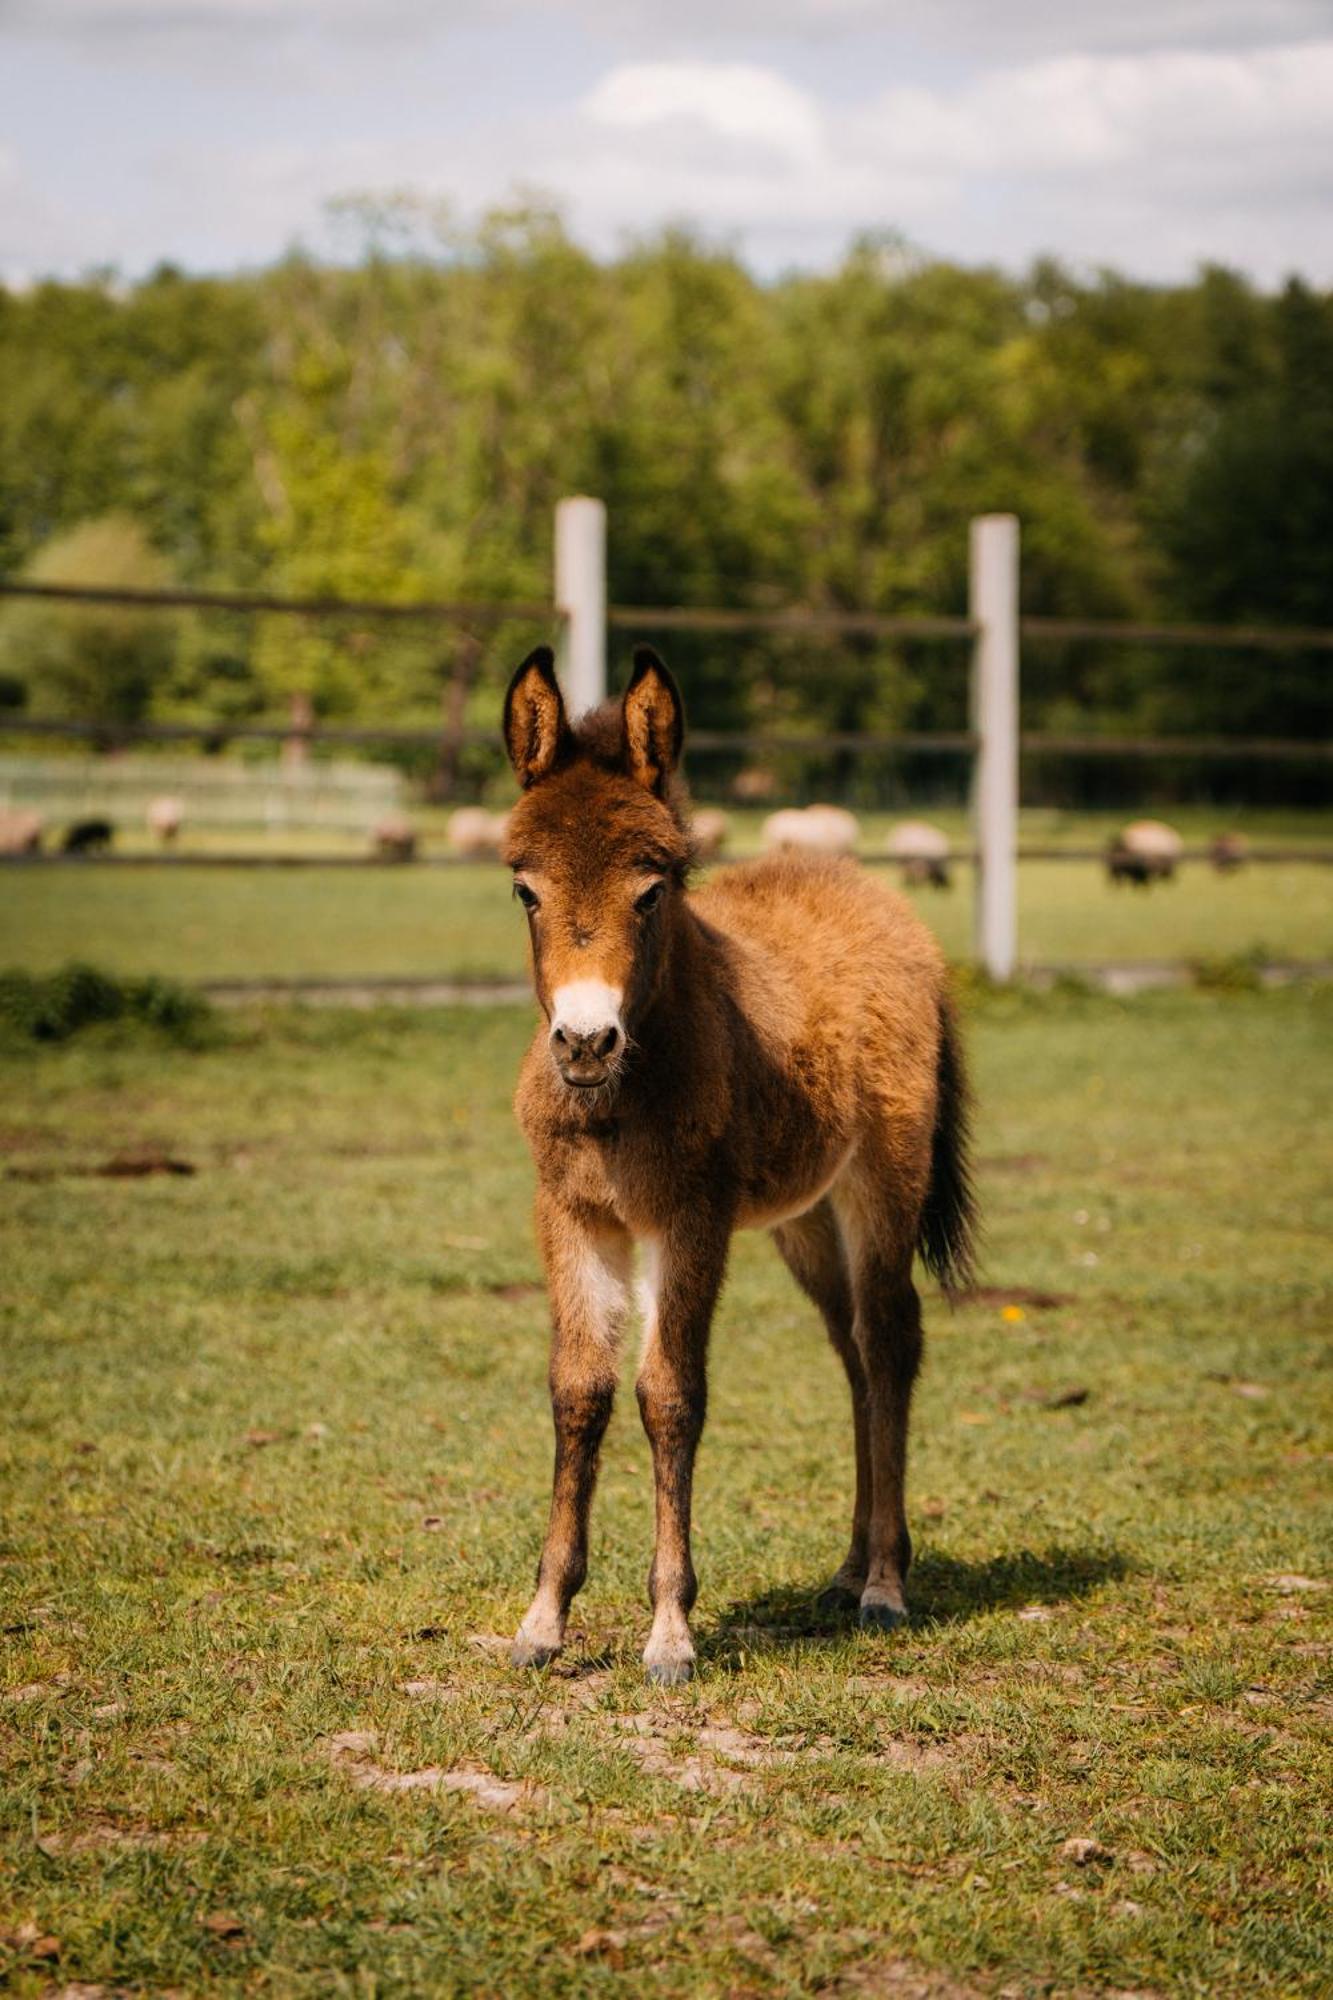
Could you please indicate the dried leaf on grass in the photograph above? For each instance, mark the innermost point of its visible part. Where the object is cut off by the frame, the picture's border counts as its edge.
(1084, 1852)
(36, 1690)
(224, 1925)
(609, 1945)
(30, 1939)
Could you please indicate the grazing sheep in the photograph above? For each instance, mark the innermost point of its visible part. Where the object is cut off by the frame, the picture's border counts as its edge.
(1145, 851)
(166, 816)
(476, 833)
(814, 830)
(753, 786)
(88, 836)
(923, 852)
(394, 838)
(20, 833)
(1228, 852)
(712, 829)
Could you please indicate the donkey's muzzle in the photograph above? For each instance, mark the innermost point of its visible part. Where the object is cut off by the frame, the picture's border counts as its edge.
(584, 1059)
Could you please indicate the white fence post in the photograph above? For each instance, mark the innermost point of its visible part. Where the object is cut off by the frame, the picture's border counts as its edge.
(580, 593)
(993, 604)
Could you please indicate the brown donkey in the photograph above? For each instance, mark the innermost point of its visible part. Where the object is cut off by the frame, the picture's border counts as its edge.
(774, 1050)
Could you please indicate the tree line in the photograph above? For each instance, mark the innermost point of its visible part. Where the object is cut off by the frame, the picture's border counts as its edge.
(402, 427)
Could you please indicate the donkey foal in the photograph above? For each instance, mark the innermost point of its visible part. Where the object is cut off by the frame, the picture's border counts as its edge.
(775, 1050)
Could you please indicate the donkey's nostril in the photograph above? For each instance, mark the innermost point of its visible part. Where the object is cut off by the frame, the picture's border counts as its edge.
(586, 1034)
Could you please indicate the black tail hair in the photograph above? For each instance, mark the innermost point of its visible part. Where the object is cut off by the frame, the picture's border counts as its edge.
(946, 1238)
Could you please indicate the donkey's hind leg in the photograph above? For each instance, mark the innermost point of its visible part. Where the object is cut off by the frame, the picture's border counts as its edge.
(887, 1334)
(811, 1247)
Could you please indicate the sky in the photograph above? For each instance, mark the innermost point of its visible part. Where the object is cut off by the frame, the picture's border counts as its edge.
(1149, 135)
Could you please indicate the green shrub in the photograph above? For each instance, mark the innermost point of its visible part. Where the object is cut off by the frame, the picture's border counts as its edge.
(53, 1008)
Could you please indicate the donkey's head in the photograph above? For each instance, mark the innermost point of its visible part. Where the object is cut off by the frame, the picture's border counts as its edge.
(599, 849)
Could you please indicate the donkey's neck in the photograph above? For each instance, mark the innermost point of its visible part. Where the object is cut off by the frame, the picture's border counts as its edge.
(683, 1032)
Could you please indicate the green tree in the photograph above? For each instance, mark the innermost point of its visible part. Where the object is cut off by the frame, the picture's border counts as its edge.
(97, 662)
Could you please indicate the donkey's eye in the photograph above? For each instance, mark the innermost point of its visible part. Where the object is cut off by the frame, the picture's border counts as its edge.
(650, 898)
(526, 896)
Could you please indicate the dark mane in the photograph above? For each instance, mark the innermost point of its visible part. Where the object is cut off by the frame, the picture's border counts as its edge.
(598, 738)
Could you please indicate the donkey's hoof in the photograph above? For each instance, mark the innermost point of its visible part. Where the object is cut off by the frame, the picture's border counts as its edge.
(531, 1653)
(671, 1673)
(878, 1616)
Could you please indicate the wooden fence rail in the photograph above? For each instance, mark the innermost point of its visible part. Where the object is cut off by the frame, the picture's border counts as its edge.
(435, 613)
(939, 742)
(580, 618)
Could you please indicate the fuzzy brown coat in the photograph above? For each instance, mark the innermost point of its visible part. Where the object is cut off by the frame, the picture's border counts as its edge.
(775, 1049)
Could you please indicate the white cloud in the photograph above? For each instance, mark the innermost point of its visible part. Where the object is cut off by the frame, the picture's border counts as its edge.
(36, 233)
(735, 101)
(1118, 157)
(1153, 160)
(1218, 111)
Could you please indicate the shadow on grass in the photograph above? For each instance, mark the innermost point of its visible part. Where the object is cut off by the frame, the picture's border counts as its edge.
(942, 1590)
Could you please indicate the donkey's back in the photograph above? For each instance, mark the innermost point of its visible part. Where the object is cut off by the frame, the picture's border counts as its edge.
(827, 951)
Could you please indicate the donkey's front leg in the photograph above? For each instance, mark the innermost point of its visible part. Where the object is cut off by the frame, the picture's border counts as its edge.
(680, 1287)
(588, 1274)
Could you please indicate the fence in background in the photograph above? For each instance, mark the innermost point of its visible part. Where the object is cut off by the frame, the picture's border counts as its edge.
(580, 618)
(339, 796)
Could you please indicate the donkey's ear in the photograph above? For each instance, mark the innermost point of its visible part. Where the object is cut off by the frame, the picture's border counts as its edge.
(654, 718)
(535, 727)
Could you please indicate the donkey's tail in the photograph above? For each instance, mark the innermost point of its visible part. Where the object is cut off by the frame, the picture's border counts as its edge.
(947, 1233)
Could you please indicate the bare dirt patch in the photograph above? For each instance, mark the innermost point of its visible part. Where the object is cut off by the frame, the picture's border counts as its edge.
(904, 1981)
(353, 1753)
(721, 1757)
(104, 1835)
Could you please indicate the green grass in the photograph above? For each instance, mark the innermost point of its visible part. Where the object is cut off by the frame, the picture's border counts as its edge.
(327, 923)
(274, 1458)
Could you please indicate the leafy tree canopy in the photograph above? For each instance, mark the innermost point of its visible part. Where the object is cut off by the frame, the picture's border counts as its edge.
(403, 424)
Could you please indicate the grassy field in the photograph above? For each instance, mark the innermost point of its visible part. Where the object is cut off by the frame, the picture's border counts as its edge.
(328, 923)
(275, 1452)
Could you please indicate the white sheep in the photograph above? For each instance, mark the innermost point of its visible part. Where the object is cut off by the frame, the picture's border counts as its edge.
(476, 833)
(394, 837)
(165, 817)
(711, 829)
(1228, 852)
(20, 833)
(1145, 851)
(923, 852)
(813, 830)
